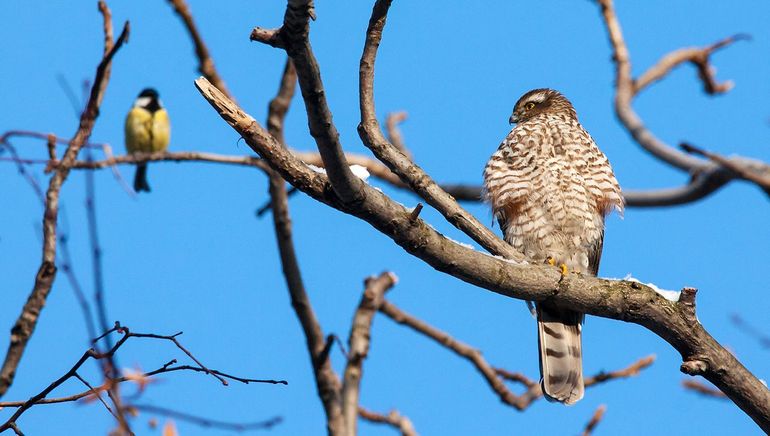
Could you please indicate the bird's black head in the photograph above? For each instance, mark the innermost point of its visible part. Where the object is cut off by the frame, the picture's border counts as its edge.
(539, 101)
(148, 99)
(149, 92)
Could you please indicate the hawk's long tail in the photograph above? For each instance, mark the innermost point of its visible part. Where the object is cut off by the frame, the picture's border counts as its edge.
(561, 353)
(140, 179)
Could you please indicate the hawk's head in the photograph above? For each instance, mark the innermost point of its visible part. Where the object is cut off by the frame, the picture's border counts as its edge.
(540, 101)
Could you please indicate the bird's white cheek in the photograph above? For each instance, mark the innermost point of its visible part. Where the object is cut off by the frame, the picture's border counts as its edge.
(142, 101)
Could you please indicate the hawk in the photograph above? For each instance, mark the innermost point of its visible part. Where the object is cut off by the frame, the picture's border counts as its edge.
(550, 188)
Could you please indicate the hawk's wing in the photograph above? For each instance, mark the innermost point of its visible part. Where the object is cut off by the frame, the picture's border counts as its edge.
(508, 175)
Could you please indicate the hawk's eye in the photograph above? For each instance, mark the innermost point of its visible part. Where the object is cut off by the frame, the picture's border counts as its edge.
(529, 105)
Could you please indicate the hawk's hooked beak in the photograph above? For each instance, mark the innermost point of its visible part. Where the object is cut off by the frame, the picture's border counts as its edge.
(513, 119)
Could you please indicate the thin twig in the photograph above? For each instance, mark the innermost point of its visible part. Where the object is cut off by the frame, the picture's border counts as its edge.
(739, 169)
(65, 263)
(20, 166)
(595, 420)
(206, 422)
(703, 389)
(25, 324)
(393, 419)
(327, 382)
(358, 341)
(751, 330)
(96, 394)
(673, 322)
(294, 36)
(40, 398)
(410, 173)
(493, 376)
(205, 62)
(394, 133)
(708, 176)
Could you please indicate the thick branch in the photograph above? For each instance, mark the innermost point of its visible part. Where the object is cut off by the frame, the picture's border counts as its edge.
(360, 335)
(410, 173)
(623, 300)
(294, 38)
(25, 324)
(327, 382)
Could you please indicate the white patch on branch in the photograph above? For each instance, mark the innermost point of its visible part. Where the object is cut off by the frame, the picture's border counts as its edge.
(462, 244)
(668, 295)
(316, 169)
(360, 171)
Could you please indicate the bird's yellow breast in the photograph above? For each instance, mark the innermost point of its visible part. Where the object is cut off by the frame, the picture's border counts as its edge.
(146, 131)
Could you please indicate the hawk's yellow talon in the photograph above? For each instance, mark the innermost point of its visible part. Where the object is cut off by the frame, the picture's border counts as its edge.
(564, 269)
(550, 261)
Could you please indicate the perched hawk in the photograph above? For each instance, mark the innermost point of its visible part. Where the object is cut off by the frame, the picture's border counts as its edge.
(550, 188)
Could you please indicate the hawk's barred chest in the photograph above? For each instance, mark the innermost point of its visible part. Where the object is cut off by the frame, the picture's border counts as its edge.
(550, 187)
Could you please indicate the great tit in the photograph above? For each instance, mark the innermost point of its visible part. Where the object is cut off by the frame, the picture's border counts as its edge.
(147, 131)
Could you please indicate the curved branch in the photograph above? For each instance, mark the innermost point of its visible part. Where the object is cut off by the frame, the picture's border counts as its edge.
(205, 62)
(27, 320)
(360, 334)
(393, 419)
(371, 134)
(633, 302)
(293, 37)
(624, 94)
(717, 173)
(327, 382)
(698, 56)
(493, 375)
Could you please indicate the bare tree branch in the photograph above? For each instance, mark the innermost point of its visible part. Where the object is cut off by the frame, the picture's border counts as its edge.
(205, 62)
(360, 335)
(695, 55)
(702, 184)
(40, 398)
(744, 170)
(293, 37)
(707, 176)
(595, 420)
(25, 324)
(702, 389)
(394, 133)
(393, 419)
(327, 382)
(410, 173)
(675, 322)
(751, 330)
(206, 422)
(493, 376)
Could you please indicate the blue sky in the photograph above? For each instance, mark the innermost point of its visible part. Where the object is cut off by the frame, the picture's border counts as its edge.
(191, 256)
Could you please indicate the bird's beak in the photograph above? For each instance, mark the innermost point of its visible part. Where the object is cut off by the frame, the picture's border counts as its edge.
(513, 119)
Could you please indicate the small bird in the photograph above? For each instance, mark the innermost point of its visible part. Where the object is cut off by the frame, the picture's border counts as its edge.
(147, 131)
(551, 188)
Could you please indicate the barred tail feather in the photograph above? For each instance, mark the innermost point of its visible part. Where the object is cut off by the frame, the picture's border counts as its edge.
(140, 179)
(561, 353)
